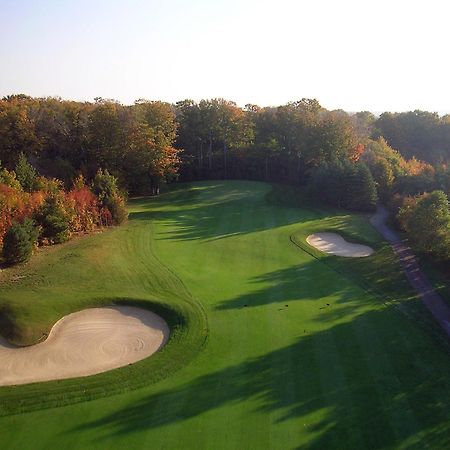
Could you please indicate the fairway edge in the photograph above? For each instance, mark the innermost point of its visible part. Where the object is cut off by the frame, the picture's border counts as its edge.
(188, 326)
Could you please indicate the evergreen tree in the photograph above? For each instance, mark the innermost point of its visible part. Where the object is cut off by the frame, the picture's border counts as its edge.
(346, 185)
(9, 178)
(362, 193)
(104, 185)
(19, 241)
(25, 173)
(54, 220)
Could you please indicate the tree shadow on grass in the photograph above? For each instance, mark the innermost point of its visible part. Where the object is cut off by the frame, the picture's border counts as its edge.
(359, 384)
(178, 194)
(309, 281)
(339, 288)
(225, 212)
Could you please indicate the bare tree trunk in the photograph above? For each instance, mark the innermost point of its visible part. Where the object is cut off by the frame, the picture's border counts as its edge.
(267, 167)
(225, 158)
(210, 151)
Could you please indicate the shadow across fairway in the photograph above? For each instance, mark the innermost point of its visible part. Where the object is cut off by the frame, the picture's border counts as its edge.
(309, 281)
(318, 279)
(178, 194)
(345, 387)
(227, 210)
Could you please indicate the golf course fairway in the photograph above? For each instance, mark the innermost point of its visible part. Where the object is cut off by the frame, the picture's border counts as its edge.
(273, 344)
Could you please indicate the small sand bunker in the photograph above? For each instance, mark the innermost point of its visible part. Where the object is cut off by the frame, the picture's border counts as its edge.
(85, 343)
(334, 244)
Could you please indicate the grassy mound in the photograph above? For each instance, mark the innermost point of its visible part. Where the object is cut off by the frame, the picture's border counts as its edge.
(188, 335)
(116, 267)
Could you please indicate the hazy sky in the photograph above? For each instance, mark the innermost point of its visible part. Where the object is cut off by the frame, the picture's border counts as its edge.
(350, 54)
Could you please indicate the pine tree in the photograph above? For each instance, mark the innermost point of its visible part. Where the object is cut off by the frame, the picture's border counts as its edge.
(19, 241)
(362, 195)
(54, 220)
(25, 173)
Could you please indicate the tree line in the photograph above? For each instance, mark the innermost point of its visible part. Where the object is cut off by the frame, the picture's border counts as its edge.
(420, 134)
(347, 160)
(64, 138)
(350, 161)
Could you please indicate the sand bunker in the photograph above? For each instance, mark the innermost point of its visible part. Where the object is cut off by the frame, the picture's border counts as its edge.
(85, 343)
(334, 244)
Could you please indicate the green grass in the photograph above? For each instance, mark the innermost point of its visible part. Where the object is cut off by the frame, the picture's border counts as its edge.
(303, 350)
(438, 273)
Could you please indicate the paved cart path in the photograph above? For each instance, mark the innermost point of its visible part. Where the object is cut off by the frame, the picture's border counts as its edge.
(416, 277)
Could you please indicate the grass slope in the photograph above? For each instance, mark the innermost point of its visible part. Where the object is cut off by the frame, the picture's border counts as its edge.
(299, 353)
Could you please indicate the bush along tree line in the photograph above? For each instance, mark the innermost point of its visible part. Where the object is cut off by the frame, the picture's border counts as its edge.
(417, 195)
(35, 210)
(345, 160)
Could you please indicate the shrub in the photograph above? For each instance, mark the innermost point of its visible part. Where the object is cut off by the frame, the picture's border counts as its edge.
(403, 208)
(116, 206)
(104, 185)
(51, 186)
(86, 208)
(57, 213)
(54, 219)
(105, 188)
(9, 178)
(428, 224)
(19, 241)
(16, 205)
(106, 219)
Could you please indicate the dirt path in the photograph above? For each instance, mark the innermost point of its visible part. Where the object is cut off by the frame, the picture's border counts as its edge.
(416, 277)
(85, 343)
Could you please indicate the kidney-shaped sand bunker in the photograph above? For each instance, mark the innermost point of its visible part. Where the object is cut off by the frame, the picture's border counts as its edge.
(85, 343)
(335, 244)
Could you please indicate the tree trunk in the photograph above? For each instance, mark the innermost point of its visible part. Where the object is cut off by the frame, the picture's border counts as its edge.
(267, 167)
(225, 158)
(210, 151)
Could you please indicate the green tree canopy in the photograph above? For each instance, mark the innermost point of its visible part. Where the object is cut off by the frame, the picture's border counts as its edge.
(428, 224)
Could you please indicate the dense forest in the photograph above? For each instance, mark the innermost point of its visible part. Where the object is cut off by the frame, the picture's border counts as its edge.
(352, 161)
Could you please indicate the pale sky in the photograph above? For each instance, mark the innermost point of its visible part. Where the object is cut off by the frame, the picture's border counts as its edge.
(355, 55)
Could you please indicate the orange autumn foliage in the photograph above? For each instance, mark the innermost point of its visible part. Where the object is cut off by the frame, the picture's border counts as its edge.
(167, 163)
(357, 152)
(80, 205)
(415, 166)
(86, 212)
(16, 205)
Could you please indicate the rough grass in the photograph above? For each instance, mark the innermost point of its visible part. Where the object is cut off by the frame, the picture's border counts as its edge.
(302, 352)
(116, 267)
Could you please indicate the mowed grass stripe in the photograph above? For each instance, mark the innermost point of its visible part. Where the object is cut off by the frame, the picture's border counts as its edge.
(402, 420)
(334, 391)
(304, 376)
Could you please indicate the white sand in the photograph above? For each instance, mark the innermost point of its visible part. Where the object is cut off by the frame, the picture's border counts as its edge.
(335, 244)
(85, 343)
